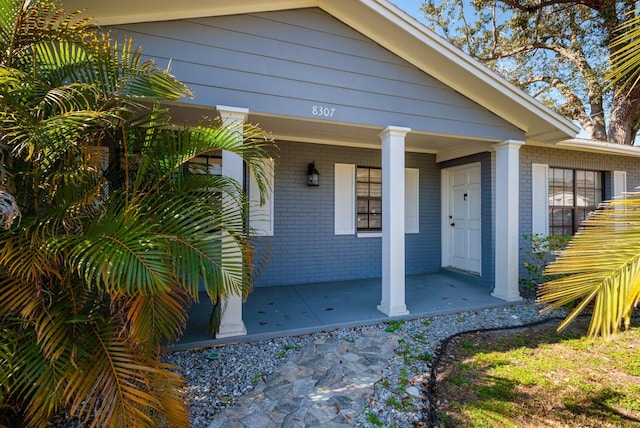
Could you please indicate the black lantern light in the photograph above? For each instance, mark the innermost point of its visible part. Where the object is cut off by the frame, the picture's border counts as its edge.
(313, 176)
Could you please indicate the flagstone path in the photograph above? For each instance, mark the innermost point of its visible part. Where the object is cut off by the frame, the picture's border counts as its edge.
(326, 385)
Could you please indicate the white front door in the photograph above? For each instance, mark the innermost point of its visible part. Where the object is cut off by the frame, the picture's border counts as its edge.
(464, 219)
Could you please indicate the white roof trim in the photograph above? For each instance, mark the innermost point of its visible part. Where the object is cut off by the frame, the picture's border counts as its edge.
(603, 147)
(402, 35)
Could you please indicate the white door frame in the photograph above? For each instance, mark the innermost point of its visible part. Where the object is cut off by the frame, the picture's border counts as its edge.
(445, 195)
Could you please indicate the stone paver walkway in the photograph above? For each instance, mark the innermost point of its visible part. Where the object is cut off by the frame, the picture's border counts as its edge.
(326, 385)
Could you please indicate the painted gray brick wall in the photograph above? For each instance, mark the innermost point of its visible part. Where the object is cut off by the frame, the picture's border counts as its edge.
(568, 159)
(304, 248)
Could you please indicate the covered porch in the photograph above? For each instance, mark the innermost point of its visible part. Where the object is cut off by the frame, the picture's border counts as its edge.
(291, 310)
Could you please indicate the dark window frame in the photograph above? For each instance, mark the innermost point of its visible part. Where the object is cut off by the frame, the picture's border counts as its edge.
(368, 199)
(575, 197)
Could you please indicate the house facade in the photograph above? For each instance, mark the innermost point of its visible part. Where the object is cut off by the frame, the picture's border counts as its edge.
(425, 159)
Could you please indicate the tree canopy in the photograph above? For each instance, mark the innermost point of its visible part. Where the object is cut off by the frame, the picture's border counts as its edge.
(556, 50)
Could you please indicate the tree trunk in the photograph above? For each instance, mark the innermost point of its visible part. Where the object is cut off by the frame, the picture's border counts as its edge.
(623, 124)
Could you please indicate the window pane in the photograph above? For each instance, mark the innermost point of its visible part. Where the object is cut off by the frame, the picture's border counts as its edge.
(555, 196)
(375, 206)
(375, 221)
(375, 190)
(363, 221)
(568, 178)
(363, 189)
(363, 174)
(363, 205)
(375, 175)
(581, 215)
(598, 180)
(584, 198)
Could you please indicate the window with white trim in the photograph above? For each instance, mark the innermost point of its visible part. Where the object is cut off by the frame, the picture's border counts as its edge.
(546, 198)
(358, 200)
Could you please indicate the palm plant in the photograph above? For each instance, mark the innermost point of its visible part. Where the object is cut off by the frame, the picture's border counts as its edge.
(97, 274)
(625, 56)
(600, 268)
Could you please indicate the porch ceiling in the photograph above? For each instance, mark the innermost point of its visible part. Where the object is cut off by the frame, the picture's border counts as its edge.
(343, 134)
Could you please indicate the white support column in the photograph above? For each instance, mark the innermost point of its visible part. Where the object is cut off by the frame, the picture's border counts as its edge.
(233, 167)
(393, 261)
(507, 225)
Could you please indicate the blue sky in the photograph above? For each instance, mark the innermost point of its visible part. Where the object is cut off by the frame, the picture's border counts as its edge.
(412, 7)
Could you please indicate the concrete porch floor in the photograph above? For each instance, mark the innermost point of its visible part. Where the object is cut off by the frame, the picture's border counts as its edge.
(291, 310)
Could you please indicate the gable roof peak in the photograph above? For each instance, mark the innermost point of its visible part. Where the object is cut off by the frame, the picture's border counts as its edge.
(403, 35)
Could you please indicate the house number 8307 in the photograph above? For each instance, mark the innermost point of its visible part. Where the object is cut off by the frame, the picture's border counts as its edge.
(322, 111)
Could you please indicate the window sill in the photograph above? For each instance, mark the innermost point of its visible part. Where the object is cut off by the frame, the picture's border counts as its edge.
(369, 234)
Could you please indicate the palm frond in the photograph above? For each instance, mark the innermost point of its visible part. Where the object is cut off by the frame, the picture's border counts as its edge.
(35, 380)
(158, 319)
(206, 249)
(28, 23)
(120, 253)
(121, 70)
(600, 267)
(114, 388)
(24, 256)
(625, 55)
(9, 210)
(99, 272)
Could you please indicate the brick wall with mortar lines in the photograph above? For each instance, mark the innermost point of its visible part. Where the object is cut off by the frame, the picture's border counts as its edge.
(304, 248)
(567, 159)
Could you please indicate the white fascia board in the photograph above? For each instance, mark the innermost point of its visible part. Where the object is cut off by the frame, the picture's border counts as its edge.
(603, 147)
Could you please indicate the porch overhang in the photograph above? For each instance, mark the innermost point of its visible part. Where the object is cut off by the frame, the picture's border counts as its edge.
(402, 35)
(304, 130)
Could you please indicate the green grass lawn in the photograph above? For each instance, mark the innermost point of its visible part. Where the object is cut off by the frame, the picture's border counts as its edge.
(538, 378)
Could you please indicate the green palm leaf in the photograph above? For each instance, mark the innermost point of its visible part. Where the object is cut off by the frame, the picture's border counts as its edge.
(97, 275)
(600, 268)
(120, 69)
(625, 55)
(120, 254)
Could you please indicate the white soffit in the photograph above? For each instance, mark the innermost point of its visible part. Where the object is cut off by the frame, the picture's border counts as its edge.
(115, 12)
(386, 24)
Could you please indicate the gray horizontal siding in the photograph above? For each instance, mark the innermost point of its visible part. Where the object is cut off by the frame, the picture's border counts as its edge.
(285, 62)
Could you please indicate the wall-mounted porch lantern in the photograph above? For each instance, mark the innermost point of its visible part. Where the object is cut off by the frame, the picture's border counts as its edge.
(313, 176)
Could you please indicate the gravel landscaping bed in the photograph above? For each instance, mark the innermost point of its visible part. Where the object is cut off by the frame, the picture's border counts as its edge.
(215, 383)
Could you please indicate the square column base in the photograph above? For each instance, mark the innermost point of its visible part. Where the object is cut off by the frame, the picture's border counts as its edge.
(507, 297)
(231, 330)
(393, 311)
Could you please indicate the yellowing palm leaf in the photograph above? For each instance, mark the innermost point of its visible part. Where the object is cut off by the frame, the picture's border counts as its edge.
(600, 268)
(97, 275)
